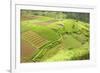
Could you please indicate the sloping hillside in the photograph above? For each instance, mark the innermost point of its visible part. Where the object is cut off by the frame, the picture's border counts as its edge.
(54, 40)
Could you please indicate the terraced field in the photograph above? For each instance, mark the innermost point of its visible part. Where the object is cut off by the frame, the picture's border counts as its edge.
(45, 39)
(34, 39)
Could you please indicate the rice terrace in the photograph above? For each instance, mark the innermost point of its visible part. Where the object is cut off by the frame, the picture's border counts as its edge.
(52, 36)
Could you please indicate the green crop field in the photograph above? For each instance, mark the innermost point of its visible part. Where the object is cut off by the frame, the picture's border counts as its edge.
(48, 36)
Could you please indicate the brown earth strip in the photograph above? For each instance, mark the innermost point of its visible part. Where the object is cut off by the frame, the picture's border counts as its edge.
(23, 18)
(45, 23)
(26, 51)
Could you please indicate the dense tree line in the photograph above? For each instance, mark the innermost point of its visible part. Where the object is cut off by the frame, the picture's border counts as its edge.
(58, 15)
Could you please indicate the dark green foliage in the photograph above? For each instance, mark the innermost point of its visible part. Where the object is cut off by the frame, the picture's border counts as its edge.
(59, 15)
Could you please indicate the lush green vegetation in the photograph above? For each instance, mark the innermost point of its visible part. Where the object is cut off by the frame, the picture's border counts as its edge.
(54, 36)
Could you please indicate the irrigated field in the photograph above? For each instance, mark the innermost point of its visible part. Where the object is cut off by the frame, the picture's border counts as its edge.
(44, 38)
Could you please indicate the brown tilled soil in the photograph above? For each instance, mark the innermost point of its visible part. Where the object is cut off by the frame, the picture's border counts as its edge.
(29, 17)
(45, 23)
(26, 51)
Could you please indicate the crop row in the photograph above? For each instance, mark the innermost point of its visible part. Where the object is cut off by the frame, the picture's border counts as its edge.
(45, 48)
(34, 39)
